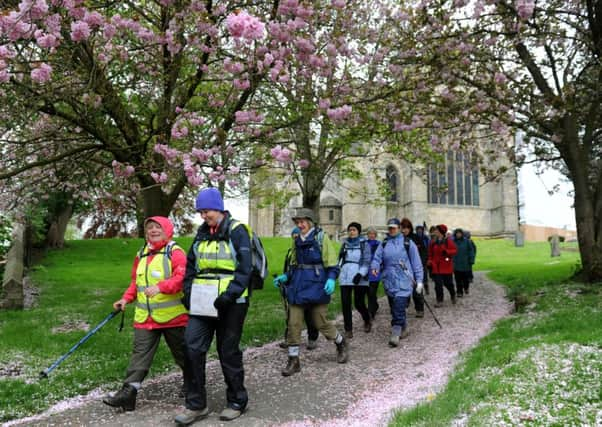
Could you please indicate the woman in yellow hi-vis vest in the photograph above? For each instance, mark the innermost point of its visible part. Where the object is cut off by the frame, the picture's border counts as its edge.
(216, 291)
(156, 287)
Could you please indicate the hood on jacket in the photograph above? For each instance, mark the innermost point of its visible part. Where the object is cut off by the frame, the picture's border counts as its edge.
(167, 227)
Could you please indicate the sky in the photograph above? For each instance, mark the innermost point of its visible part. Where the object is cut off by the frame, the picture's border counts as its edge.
(540, 208)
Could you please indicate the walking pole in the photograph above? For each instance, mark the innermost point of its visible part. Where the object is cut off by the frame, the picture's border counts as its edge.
(45, 372)
(284, 302)
(405, 270)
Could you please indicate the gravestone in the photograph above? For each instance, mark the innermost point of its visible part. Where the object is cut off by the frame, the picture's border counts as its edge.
(519, 239)
(12, 280)
(555, 245)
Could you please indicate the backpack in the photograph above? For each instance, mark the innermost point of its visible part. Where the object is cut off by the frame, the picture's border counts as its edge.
(259, 260)
(343, 251)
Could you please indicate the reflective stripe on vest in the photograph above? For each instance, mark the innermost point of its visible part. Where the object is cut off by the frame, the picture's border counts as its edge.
(215, 256)
(162, 307)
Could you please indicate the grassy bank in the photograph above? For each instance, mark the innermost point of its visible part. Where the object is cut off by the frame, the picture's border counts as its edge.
(77, 287)
(540, 366)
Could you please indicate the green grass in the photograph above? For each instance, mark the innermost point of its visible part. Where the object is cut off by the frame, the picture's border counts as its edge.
(540, 366)
(79, 284)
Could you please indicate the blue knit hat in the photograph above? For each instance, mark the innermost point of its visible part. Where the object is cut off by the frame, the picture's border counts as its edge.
(209, 198)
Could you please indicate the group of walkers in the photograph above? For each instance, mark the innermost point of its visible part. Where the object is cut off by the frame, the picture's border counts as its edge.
(189, 299)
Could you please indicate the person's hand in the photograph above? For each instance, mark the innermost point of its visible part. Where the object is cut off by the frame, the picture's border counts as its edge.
(120, 304)
(375, 272)
(329, 287)
(419, 287)
(280, 280)
(357, 279)
(151, 291)
(223, 301)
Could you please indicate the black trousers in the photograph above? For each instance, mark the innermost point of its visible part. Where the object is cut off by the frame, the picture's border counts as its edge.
(442, 280)
(312, 331)
(359, 302)
(198, 336)
(418, 300)
(462, 281)
(373, 298)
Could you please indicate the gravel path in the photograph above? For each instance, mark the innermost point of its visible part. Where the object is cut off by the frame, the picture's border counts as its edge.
(364, 392)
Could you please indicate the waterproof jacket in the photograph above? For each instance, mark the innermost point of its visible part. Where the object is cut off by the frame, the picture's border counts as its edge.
(398, 266)
(422, 242)
(441, 253)
(354, 257)
(312, 264)
(464, 258)
(374, 244)
(220, 238)
(152, 267)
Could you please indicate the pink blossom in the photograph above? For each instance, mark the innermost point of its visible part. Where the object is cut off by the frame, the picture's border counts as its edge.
(303, 163)
(281, 154)
(179, 131)
(4, 76)
(234, 170)
(525, 8)
(324, 103)
(241, 84)
(339, 4)
(46, 41)
(93, 19)
(80, 31)
(195, 180)
(41, 74)
(159, 178)
(6, 52)
(339, 114)
(499, 78)
(243, 25)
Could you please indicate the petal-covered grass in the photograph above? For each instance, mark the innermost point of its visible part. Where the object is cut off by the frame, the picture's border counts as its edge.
(77, 287)
(542, 365)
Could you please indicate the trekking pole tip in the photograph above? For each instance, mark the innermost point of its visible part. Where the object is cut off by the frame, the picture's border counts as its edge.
(43, 375)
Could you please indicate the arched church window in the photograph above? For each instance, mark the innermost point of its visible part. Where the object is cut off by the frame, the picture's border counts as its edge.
(392, 178)
(454, 182)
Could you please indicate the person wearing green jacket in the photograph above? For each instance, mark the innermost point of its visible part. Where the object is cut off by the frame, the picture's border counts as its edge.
(463, 261)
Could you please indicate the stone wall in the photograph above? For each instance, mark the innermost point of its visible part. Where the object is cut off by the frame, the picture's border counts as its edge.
(12, 281)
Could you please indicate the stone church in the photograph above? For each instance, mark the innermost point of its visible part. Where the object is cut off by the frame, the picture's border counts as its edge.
(455, 194)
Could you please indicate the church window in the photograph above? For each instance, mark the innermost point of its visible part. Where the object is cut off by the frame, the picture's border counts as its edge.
(331, 215)
(391, 183)
(456, 182)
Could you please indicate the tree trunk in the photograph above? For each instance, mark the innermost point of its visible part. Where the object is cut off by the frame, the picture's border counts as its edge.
(154, 203)
(589, 236)
(55, 238)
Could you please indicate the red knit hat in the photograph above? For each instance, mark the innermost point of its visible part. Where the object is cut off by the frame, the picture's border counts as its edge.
(442, 229)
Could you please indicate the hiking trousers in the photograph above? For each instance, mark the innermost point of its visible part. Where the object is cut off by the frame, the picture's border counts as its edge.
(359, 300)
(312, 331)
(318, 316)
(198, 336)
(462, 281)
(442, 280)
(146, 342)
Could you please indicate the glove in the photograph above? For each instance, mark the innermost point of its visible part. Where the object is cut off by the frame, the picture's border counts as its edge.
(419, 287)
(329, 287)
(280, 280)
(356, 279)
(223, 301)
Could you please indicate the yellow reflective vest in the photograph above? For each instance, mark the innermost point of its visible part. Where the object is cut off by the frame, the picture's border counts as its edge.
(216, 263)
(162, 307)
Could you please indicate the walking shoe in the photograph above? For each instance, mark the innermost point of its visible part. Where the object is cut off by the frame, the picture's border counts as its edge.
(438, 304)
(367, 327)
(404, 332)
(312, 344)
(394, 340)
(348, 335)
(124, 398)
(342, 352)
(466, 291)
(292, 366)
(229, 414)
(190, 416)
(420, 313)
(283, 344)
(454, 300)
(459, 295)
(426, 288)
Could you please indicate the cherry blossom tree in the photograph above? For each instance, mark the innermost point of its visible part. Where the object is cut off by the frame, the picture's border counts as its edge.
(489, 69)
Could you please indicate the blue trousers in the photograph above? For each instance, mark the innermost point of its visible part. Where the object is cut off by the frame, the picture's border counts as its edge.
(398, 310)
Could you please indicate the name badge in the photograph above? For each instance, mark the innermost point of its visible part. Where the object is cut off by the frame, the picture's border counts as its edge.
(202, 297)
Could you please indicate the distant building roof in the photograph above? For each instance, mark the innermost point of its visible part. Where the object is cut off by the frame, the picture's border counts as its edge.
(329, 202)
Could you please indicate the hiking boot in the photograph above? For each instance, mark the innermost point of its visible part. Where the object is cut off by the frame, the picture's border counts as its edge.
(229, 414)
(342, 351)
(466, 291)
(124, 398)
(283, 344)
(459, 295)
(420, 314)
(404, 332)
(426, 288)
(348, 335)
(454, 300)
(190, 416)
(292, 366)
(394, 340)
(367, 327)
(438, 304)
(312, 344)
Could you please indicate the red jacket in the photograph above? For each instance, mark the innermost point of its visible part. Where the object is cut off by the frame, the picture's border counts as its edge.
(440, 256)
